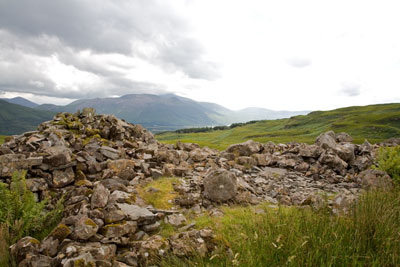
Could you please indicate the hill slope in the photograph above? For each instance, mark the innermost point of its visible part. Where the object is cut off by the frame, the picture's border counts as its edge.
(17, 119)
(168, 112)
(375, 123)
(20, 101)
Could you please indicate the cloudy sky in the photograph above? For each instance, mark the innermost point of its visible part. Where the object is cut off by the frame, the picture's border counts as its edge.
(282, 55)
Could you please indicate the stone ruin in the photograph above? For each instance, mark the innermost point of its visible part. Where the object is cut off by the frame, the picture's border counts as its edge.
(97, 163)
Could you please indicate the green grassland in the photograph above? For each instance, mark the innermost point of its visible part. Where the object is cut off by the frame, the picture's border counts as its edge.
(374, 123)
(16, 119)
(2, 139)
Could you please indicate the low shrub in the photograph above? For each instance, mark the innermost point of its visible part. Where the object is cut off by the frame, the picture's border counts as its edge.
(21, 215)
(388, 160)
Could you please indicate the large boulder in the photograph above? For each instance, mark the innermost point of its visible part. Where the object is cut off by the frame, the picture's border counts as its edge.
(345, 152)
(374, 179)
(309, 151)
(326, 140)
(220, 185)
(244, 149)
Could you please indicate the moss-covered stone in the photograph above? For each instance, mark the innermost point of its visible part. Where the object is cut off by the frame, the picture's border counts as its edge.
(60, 232)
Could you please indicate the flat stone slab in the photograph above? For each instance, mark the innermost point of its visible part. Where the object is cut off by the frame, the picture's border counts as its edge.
(136, 213)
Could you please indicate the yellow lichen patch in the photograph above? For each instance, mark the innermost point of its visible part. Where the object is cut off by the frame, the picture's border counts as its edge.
(82, 263)
(34, 241)
(159, 193)
(83, 183)
(91, 223)
(131, 199)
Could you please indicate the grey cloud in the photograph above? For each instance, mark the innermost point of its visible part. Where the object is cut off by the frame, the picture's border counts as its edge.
(350, 89)
(106, 27)
(299, 62)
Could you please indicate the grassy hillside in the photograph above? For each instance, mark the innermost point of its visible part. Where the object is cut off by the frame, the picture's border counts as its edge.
(375, 123)
(16, 119)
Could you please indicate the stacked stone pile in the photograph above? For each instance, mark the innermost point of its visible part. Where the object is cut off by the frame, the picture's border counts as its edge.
(97, 163)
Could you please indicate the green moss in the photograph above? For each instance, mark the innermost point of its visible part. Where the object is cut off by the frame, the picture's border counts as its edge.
(87, 140)
(92, 132)
(61, 232)
(164, 195)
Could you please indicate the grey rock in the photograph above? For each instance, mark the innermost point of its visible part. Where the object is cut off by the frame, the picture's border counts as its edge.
(62, 178)
(220, 185)
(85, 228)
(119, 229)
(100, 196)
(244, 149)
(109, 152)
(326, 140)
(136, 213)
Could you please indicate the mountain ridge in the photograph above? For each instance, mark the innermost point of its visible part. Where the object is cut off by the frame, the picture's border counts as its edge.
(168, 111)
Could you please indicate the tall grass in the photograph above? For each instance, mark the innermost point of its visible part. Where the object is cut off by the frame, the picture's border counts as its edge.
(369, 236)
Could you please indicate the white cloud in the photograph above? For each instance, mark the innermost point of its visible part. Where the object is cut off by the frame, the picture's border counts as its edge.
(285, 54)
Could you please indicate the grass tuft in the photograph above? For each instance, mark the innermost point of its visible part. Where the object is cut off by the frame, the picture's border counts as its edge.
(160, 192)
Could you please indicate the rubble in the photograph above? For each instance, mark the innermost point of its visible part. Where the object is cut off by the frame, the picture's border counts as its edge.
(98, 161)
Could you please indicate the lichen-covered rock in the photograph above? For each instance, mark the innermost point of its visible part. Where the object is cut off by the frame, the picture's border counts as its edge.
(100, 196)
(50, 243)
(176, 220)
(220, 185)
(63, 178)
(194, 242)
(123, 168)
(25, 248)
(119, 229)
(85, 228)
(136, 213)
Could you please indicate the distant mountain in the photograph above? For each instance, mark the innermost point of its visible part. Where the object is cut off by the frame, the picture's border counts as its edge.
(169, 111)
(17, 119)
(20, 101)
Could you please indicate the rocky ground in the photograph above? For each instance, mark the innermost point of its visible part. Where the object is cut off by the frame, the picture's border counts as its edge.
(98, 162)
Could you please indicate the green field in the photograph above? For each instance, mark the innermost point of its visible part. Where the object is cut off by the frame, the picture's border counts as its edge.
(2, 139)
(374, 123)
